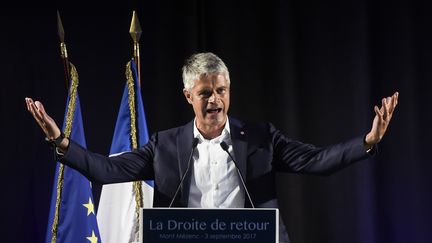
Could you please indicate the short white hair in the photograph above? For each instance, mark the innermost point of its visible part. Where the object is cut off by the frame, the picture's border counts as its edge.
(199, 64)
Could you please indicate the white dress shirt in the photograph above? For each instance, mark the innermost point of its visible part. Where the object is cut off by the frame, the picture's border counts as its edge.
(214, 179)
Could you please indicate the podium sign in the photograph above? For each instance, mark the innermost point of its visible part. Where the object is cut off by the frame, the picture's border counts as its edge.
(161, 225)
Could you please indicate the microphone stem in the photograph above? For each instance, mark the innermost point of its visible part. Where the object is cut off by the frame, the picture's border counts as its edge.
(241, 178)
(194, 144)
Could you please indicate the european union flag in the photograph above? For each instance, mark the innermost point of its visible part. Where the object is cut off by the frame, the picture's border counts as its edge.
(117, 206)
(75, 220)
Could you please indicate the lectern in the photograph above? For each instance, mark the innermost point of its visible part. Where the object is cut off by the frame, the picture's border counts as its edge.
(196, 225)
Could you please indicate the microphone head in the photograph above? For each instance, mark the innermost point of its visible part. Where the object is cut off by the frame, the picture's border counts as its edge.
(195, 142)
(224, 145)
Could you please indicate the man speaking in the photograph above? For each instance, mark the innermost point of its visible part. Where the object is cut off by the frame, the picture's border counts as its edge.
(215, 161)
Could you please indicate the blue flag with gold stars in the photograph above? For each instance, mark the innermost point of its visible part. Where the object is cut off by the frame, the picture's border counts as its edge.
(75, 219)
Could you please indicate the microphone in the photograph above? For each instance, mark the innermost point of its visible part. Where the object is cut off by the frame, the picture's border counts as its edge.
(194, 144)
(225, 148)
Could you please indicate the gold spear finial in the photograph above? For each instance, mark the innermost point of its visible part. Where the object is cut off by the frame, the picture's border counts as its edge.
(63, 49)
(135, 28)
(60, 29)
(135, 32)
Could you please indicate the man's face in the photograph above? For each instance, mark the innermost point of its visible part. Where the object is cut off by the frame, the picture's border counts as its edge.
(210, 99)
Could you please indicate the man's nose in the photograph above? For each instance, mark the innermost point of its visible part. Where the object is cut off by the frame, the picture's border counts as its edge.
(213, 98)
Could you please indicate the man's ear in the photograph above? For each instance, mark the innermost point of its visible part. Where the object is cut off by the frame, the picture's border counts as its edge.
(188, 96)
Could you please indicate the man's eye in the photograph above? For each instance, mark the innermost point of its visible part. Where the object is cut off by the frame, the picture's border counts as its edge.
(221, 91)
(205, 94)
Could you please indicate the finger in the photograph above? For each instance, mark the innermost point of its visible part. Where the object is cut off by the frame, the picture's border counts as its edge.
(31, 108)
(385, 108)
(396, 98)
(41, 110)
(27, 103)
(36, 113)
(389, 106)
(40, 106)
(393, 102)
(378, 112)
(388, 99)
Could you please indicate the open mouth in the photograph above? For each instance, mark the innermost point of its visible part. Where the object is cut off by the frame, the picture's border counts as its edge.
(214, 110)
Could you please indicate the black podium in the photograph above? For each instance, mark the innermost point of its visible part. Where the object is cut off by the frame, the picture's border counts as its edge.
(198, 225)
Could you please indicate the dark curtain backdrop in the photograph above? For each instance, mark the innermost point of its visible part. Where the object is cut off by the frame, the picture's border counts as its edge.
(314, 69)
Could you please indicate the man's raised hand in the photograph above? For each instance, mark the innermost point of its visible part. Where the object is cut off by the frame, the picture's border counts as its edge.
(381, 121)
(46, 123)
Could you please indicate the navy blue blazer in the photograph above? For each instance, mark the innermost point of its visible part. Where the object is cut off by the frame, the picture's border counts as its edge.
(259, 149)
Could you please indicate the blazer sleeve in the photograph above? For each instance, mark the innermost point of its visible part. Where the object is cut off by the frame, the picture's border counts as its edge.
(129, 166)
(294, 156)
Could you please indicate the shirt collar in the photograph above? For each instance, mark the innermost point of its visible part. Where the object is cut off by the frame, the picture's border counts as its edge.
(224, 134)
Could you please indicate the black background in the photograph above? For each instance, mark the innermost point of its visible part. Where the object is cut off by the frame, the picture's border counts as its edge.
(314, 69)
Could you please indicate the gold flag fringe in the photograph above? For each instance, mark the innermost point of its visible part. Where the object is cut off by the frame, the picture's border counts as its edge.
(68, 129)
(137, 184)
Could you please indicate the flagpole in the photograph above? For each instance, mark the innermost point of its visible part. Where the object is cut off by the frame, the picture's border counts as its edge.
(63, 50)
(135, 32)
(71, 77)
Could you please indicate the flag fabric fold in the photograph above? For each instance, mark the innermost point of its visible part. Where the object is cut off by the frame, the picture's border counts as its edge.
(72, 216)
(117, 212)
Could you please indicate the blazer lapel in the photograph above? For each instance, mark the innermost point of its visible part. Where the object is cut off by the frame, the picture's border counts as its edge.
(184, 148)
(239, 140)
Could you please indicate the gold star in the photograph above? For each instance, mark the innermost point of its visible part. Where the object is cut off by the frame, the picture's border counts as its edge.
(92, 238)
(89, 206)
